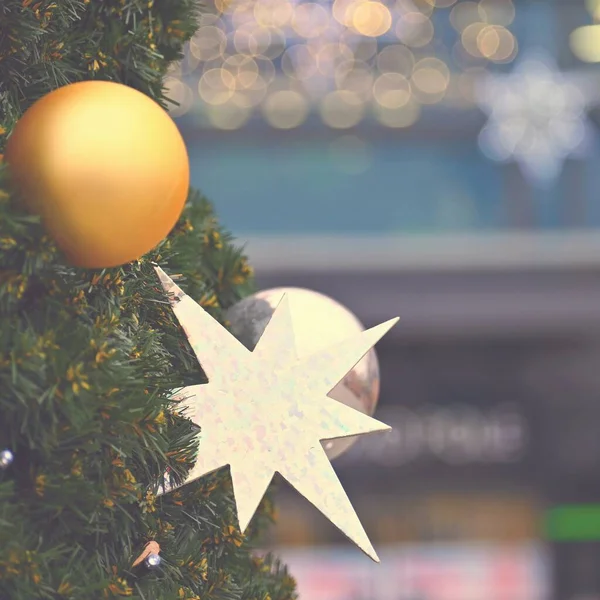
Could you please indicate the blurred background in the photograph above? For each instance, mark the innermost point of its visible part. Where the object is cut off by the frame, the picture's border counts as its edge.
(437, 160)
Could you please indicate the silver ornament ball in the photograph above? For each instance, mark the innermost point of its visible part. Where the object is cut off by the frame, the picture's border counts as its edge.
(319, 322)
(153, 561)
(6, 458)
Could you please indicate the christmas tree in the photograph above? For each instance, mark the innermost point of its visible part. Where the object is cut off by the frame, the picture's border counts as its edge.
(89, 359)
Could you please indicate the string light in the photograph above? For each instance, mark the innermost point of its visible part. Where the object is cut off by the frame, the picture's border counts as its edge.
(6, 458)
(345, 60)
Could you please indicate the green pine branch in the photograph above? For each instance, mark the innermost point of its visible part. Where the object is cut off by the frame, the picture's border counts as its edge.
(45, 44)
(88, 359)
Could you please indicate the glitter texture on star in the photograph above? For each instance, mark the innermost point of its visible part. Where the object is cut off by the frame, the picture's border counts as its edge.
(266, 411)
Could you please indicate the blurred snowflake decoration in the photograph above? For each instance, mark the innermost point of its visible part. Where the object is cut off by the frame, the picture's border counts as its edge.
(537, 117)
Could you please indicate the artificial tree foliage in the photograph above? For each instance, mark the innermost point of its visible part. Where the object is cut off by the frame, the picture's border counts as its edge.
(89, 358)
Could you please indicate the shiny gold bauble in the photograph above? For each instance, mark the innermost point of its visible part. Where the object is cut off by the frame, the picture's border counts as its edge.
(104, 166)
(318, 321)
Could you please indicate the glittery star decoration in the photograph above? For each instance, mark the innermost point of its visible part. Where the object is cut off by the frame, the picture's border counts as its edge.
(266, 411)
(537, 117)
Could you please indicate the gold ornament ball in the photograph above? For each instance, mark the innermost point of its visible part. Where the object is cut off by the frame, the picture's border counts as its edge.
(104, 166)
(319, 322)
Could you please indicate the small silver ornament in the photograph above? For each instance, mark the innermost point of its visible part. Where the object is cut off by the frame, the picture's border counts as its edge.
(149, 556)
(153, 561)
(319, 321)
(6, 458)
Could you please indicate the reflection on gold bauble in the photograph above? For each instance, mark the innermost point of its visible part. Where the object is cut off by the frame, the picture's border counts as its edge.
(319, 322)
(104, 166)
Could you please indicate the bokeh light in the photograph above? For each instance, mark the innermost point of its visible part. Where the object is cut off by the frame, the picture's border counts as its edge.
(396, 59)
(228, 116)
(441, 3)
(414, 29)
(216, 86)
(330, 56)
(398, 118)
(497, 13)
(223, 6)
(278, 43)
(310, 20)
(266, 68)
(242, 14)
(344, 61)
(464, 14)
(298, 62)
(585, 43)
(285, 109)
(355, 76)
(342, 109)
(423, 6)
(252, 40)
(363, 48)
(208, 43)
(392, 90)
(593, 7)
(496, 43)
(371, 19)
(244, 70)
(273, 13)
(469, 38)
(430, 80)
(180, 94)
(342, 11)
